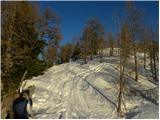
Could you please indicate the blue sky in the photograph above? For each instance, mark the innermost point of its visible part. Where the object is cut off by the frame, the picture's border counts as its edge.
(75, 14)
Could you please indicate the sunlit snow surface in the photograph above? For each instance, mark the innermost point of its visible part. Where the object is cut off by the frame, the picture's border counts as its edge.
(73, 90)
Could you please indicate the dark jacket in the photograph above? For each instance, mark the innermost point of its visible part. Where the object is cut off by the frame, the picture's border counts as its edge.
(20, 108)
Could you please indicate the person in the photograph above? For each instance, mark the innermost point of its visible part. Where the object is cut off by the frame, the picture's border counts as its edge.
(22, 106)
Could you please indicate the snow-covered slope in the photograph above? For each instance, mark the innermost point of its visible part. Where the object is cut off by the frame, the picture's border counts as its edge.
(88, 91)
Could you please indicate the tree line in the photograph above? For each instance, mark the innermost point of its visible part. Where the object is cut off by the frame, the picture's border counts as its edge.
(26, 33)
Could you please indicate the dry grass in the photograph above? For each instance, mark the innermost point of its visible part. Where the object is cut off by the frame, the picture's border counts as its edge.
(6, 104)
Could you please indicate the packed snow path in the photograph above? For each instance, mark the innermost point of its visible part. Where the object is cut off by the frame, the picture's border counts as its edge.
(84, 91)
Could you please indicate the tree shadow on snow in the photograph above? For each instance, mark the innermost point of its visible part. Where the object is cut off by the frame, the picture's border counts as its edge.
(130, 115)
(94, 87)
(111, 60)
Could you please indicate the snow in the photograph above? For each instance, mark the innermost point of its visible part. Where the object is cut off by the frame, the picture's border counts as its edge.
(75, 91)
(148, 111)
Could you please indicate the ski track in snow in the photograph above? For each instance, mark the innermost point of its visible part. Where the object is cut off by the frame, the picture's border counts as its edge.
(69, 91)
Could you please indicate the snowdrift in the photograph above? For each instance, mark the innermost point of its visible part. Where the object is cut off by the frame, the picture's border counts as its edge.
(89, 91)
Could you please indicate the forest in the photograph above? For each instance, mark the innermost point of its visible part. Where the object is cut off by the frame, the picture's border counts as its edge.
(31, 45)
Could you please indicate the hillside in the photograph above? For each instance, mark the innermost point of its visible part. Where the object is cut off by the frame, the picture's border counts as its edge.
(73, 90)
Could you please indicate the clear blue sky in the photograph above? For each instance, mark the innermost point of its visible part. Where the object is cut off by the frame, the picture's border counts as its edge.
(75, 14)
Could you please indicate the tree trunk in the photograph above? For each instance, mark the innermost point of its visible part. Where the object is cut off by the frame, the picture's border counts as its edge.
(111, 51)
(122, 69)
(119, 107)
(85, 58)
(135, 65)
(144, 58)
(151, 59)
(119, 111)
(154, 66)
(100, 56)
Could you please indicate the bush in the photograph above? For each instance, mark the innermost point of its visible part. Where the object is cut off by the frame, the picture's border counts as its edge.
(34, 68)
